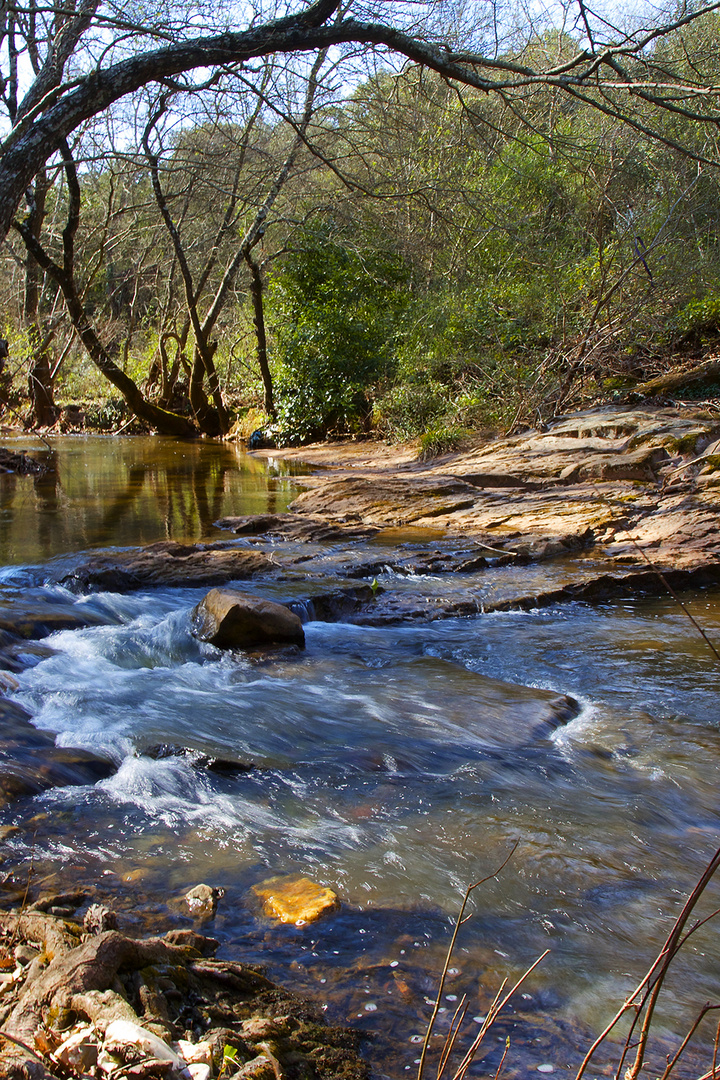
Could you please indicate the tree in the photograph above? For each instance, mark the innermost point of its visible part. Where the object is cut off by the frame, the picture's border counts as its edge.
(215, 421)
(655, 79)
(83, 71)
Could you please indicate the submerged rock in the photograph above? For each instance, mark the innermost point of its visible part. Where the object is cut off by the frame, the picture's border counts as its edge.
(296, 899)
(198, 760)
(30, 762)
(230, 619)
(39, 620)
(203, 900)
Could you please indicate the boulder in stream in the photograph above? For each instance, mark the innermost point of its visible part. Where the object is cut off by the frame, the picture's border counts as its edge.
(230, 619)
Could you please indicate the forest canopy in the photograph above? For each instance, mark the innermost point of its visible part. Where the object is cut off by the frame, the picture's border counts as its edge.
(419, 218)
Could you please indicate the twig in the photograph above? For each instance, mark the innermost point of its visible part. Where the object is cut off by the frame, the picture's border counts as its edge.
(455, 1025)
(698, 1020)
(675, 597)
(451, 947)
(502, 1059)
(651, 984)
(495, 1010)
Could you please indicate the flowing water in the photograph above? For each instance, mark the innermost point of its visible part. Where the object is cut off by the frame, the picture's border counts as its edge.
(397, 765)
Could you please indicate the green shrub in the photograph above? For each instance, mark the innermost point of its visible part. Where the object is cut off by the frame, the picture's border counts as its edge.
(440, 439)
(336, 312)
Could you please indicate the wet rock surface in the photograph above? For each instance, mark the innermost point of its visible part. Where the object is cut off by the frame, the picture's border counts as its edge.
(296, 899)
(167, 563)
(33, 620)
(22, 463)
(294, 527)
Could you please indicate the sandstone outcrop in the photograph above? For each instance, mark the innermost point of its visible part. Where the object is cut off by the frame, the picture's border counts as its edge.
(608, 497)
(294, 527)
(631, 482)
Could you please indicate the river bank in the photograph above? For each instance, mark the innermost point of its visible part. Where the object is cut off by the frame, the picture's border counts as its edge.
(605, 501)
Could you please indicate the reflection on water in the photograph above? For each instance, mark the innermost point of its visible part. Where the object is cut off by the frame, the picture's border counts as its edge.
(398, 765)
(99, 490)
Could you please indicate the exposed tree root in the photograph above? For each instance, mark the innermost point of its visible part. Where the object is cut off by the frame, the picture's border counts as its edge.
(67, 996)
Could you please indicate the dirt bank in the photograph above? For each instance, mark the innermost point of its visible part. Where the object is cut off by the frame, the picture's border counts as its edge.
(82, 998)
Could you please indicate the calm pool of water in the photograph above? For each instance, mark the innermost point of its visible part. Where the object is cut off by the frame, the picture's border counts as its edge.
(102, 490)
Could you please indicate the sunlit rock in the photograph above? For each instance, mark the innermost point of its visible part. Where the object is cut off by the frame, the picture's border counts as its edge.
(99, 918)
(78, 1052)
(123, 1037)
(295, 899)
(258, 1068)
(203, 900)
(199, 1053)
(230, 619)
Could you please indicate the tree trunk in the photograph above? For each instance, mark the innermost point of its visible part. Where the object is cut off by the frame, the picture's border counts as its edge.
(44, 412)
(256, 291)
(163, 421)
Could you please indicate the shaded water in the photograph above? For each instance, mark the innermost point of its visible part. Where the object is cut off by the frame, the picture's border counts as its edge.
(124, 491)
(397, 765)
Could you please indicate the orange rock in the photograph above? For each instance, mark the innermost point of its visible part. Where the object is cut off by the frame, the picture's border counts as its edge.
(295, 899)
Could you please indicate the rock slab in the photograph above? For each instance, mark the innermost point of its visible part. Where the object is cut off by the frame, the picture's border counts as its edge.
(230, 619)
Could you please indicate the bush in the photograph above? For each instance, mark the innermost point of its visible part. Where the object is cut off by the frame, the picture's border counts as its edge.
(336, 312)
(440, 439)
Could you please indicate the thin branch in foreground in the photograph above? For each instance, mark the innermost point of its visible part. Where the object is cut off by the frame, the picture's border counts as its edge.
(644, 998)
(458, 923)
(499, 1002)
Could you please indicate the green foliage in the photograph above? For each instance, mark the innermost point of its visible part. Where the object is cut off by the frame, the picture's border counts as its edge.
(440, 439)
(336, 311)
(107, 415)
(230, 1059)
(410, 407)
(445, 287)
(699, 317)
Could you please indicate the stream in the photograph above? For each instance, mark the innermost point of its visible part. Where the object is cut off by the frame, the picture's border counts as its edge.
(395, 764)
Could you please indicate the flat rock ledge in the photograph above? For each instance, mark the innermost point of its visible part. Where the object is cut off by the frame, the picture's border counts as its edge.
(609, 499)
(631, 483)
(167, 563)
(81, 998)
